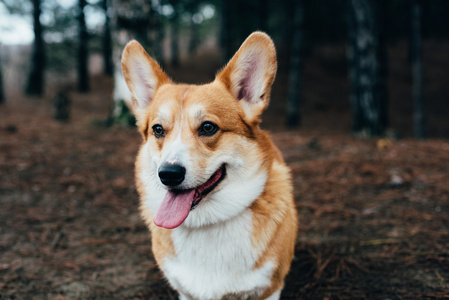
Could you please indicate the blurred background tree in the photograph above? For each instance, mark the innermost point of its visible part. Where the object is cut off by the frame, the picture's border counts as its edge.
(295, 83)
(367, 59)
(130, 20)
(108, 68)
(2, 91)
(415, 56)
(173, 31)
(175, 23)
(83, 69)
(35, 85)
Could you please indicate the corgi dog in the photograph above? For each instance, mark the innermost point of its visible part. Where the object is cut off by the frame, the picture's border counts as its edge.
(215, 191)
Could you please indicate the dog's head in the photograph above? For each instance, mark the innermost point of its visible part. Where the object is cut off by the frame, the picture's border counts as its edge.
(203, 155)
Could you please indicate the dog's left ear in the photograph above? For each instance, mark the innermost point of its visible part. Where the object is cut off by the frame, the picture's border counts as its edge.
(250, 74)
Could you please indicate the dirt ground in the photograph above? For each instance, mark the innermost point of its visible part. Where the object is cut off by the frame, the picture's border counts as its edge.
(374, 220)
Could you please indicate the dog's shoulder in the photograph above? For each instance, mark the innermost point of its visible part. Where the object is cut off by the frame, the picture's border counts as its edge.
(275, 223)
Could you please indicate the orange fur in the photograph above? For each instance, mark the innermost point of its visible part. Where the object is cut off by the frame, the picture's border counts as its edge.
(275, 224)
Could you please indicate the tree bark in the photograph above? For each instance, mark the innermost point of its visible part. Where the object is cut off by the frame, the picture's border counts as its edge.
(295, 84)
(2, 91)
(130, 19)
(159, 28)
(108, 68)
(175, 35)
(367, 69)
(382, 7)
(83, 56)
(226, 30)
(263, 14)
(35, 84)
(418, 115)
(194, 28)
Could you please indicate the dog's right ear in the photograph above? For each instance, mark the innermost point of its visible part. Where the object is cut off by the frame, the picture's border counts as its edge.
(143, 77)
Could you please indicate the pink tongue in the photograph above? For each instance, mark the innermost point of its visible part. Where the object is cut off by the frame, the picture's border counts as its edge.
(174, 209)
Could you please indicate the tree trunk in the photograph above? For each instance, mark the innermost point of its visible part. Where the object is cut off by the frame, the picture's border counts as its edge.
(159, 30)
(418, 116)
(83, 57)
(366, 69)
(226, 31)
(295, 85)
(352, 54)
(2, 91)
(108, 68)
(61, 106)
(263, 14)
(35, 84)
(175, 35)
(194, 28)
(130, 19)
(382, 7)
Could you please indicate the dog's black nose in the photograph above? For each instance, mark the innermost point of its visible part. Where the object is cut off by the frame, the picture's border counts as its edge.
(172, 174)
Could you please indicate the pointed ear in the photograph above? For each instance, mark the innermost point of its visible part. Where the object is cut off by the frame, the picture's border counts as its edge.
(143, 77)
(250, 74)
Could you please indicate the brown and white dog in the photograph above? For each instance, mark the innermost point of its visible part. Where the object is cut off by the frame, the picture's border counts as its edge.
(214, 189)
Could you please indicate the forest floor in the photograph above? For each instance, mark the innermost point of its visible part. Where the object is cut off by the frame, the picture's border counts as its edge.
(374, 220)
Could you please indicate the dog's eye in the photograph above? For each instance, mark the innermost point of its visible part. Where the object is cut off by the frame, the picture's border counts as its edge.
(158, 131)
(208, 128)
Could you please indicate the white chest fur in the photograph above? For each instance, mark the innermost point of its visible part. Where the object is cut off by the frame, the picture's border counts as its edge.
(216, 261)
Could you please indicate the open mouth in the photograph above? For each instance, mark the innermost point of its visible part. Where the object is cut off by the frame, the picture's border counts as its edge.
(177, 204)
(208, 186)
